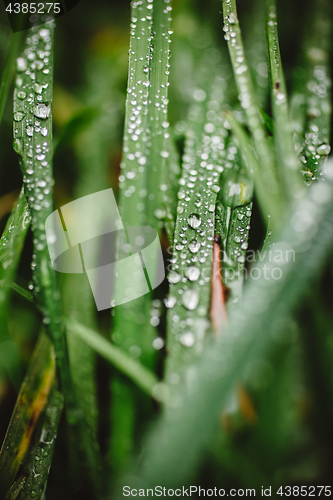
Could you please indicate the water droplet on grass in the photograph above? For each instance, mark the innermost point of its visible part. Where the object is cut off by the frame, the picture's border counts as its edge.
(187, 339)
(174, 277)
(42, 111)
(194, 220)
(190, 299)
(192, 273)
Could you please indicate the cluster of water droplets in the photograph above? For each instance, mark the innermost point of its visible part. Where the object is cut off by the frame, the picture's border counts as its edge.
(32, 123)
(146, 125)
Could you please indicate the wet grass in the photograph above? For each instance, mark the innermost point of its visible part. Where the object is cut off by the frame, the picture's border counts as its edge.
(209, 377)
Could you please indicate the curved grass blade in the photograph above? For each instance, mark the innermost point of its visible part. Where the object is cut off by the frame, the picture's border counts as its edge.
(250, 340)
(285, 151)
(30, 405)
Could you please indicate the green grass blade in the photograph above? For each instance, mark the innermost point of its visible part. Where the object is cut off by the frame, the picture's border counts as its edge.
(255, 42)
(283, 131)
(158, 106)
(184, 431)
(33, 142)
(128, 366)
(37, 465)
(11, 245)
(248, 101)
(30, 405)
(190, 273)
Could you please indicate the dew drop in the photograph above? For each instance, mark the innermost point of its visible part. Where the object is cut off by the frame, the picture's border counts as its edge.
(190, 299)
(187, 339)
(170, 302)
(194, 246)
(194, 220)
(192, 273)
(324, 149)
(42, 111)
(174, 277)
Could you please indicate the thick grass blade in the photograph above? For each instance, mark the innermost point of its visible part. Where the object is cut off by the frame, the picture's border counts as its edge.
(31, 403)
(190, 270)
(142, 172)
(249, 342)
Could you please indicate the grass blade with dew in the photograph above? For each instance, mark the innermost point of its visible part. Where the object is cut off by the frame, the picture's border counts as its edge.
(170, 188)
(11, 245)
(30, 405)
(133, 192)
(233, 214)
(289, 167)
(266, 166)
(314, 110)
(33, 142)
(255, 42)
(190, 270)
(143, 160)
(184, 431)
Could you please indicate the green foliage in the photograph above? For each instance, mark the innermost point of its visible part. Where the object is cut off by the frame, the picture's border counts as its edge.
(222, 374)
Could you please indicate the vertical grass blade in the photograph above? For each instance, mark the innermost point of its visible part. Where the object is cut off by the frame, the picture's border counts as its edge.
(285, 151)
(248, 101)
(143, 161)
(190, 273)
